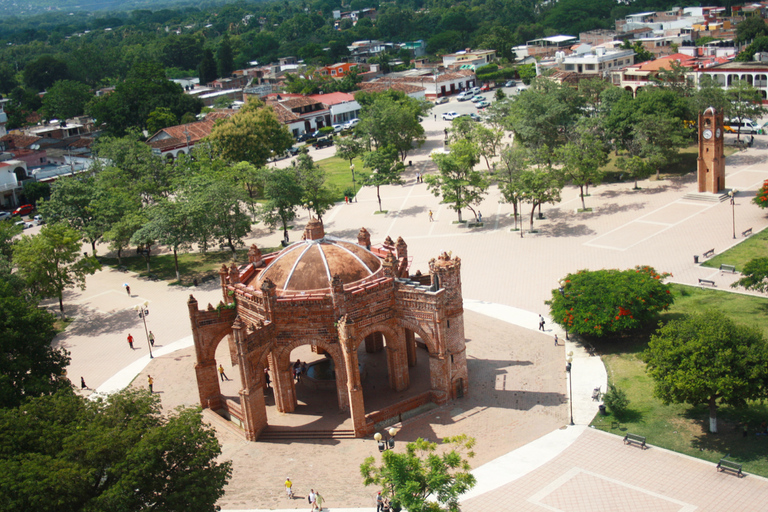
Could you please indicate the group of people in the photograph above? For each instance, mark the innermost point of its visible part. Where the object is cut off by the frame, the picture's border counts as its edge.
(298, 369)
(314, 498)
(383, 504)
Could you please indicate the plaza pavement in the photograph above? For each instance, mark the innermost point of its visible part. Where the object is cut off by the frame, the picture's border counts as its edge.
(504, 277)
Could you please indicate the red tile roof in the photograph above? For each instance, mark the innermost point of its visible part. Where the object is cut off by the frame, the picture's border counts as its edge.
(19, 141)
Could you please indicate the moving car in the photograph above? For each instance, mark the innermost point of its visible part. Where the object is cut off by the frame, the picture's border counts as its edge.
(440, 101)
(483, 104)
(475, 99)
(24, 224)
(23, 210)
(450, 116)
(323, 143)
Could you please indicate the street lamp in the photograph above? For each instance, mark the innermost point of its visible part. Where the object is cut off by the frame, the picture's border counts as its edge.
(386, 444)
(354, 187)
(732, 194)
(568, 367)
(143, 312)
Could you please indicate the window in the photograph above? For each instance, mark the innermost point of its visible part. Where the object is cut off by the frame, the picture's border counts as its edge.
(333, 72)
(341, 70)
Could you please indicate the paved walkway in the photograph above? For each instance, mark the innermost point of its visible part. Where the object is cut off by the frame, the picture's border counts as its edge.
(505, 277)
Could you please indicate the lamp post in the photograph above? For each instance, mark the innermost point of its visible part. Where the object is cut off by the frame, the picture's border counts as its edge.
(568, 368)
(732, 194)
(386, 444)
(143, 312)
(354, 187)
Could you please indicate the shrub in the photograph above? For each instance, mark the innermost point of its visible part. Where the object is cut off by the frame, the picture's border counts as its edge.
(761, 199)
(616, 400)
(602, 302)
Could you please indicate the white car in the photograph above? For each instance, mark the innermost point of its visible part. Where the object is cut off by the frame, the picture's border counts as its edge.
(441, 100)
(450, 116)
(475, 90)
(5, 215)
(337, 128)
(351, 123)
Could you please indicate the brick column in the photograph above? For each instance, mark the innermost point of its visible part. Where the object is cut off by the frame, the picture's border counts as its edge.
(397, 367)
(208, 384)
(354, 389)
(374, 342)
(439, 377)
(254, 412)
(410, 347)
(285, 391)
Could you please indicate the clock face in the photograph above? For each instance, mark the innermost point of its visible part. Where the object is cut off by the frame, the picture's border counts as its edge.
(718, 132)
(707, 134)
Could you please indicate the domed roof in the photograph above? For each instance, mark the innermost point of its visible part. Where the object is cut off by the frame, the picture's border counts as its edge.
(312, 264)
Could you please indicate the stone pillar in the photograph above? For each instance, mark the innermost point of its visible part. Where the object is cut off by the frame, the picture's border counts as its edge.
(364, 238)
(208, 384)
(354, 388)
(254, 412)
(374, 342)
(397, 366)
(284, 387)
(439, 377)
(410, 347)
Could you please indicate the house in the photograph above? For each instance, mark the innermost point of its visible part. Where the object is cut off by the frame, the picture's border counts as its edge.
(303, 114)
(361, 51)
(12, 172)
(544, 47)
(414, 91)
(755, 73)
(597, 61)
(635, 76)
(3, 117)
(468, 59)
(172, 141)
(434, 83)
(338, 70)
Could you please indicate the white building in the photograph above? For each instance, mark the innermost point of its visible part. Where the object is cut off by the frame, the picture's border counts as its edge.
(11, 173)
(3, 117)
(597, 62)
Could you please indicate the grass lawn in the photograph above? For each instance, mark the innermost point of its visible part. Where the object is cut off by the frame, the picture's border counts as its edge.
(756, 246)
(192, 265)
(338, 175)
(683, 428)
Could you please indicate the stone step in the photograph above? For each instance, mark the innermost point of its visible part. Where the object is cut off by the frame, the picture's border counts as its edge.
(273, 434)
(706, 197)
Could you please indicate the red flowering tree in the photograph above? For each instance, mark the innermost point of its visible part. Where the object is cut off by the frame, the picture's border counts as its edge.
(604, 302)
(761, 199)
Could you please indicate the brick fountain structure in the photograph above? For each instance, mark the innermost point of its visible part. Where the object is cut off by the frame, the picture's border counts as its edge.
(333, 295)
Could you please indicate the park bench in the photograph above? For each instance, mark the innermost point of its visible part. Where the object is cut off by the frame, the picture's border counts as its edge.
(596, 394)
(122, 268)
(708, 282)
(728, 465)
(709, 253)
(634, 438)
(746, 232)
(728, 268)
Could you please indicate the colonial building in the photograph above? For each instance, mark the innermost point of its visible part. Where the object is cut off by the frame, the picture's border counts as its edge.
(346, 301)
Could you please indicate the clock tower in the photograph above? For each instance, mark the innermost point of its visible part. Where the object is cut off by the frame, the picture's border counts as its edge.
(711, 162)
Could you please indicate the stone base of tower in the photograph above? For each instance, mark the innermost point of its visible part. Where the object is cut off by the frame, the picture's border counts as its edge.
(706, 197)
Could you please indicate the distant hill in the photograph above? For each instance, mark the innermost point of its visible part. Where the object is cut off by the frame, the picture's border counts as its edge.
(32, 7)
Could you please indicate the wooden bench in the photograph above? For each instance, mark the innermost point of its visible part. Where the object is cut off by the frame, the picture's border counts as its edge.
(728, 268)
(728, 465)
(709, 253)
(746, 232)
(708, 282)
(634, 438)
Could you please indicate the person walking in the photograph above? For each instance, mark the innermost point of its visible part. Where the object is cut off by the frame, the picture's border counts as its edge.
(541, 323)
(379, 502)
(130, 341)
(150, 382)
(430, 216)
(151, 339)
(222, 374)
(289, 487)
(479, 216)
(127, 289)
(311, 498)
(82, 383)
(556, 340)
(266, 377)
(318, 502)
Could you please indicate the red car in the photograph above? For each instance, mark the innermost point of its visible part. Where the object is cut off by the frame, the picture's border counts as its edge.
(24, 210)
(485, 88)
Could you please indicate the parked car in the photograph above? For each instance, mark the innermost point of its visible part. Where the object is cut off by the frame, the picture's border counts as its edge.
(510, 83)
(741, 125)
(24, 224)
(475, 117)
(304, 136)
(450, 116)
(292, 151)
(351, 123)
(464, 96)
(475, 90)
(38, 220)
(337, 128)
(475, 99)
(23, 210)
(441, 100)
(485, 88)
(323, 143)
(483, 104)
(5, 215)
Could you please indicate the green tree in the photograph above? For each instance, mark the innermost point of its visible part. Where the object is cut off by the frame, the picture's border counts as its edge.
(349, 148)
(315, 194)
(66, 99)
(760, 44)
(514, 160)
(7, 78)
(582, 158)
(45, 71)
(706, 358)
(284, 195)
(36, 190)
(119, 453)
(52, 261)
(745, 102)
(751, 28)
(206, 70)
(635, 167)
(754, 275)
(391, 119)
(8, 232)
(29, 365)
(539, 184)
(709, 94)
(660, 137)
(600, 302)
(252, 135)
(411, 479)
(169, 223)
(385, 169)
(224, 60)
(457, 181)
(160, 118)
(527, 73)
(72, 202)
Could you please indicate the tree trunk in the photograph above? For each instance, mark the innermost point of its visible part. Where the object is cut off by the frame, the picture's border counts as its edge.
(147, 258)
(378, 195)
(93, 247)
(712, 415)
(61, 304)
(119, 253)
(581, 193)
(176, 264)
(458, 211)
(521, 219)
(636, 187)
(533, 212)
(514, 206)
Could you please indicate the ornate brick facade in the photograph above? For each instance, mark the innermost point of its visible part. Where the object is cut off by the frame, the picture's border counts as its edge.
(333, 295)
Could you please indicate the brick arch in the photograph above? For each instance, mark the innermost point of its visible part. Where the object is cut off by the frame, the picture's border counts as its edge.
(206, 349)
(389, 333)
(429, 341)
(282, 353)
